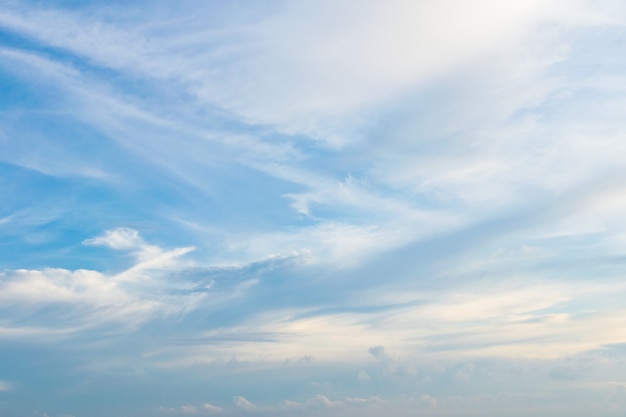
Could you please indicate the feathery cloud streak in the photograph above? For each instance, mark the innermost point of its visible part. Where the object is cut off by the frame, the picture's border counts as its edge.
(312, 207)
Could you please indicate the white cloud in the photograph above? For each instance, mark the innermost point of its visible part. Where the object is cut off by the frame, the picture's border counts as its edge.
(150, 257)
(381, 54)
(310, 406)
(153, 258)
(242, 403)
(505, 134)
(337, 59)
(322, 400)
(188, 409)
(532, 321)
(341, 406)
(366, 53)
(120, 239)
(210, 408)
(86, 298)
(90, 297)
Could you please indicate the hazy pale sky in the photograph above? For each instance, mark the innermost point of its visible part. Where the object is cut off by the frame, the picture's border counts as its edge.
(333, 208)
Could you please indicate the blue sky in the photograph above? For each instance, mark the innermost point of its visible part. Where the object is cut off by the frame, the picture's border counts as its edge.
(304, 208)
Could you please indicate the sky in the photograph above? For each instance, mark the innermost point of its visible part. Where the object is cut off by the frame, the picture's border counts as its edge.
(312, 208)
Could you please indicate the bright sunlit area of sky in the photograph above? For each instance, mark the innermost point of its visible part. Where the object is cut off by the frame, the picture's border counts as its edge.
(334, 208)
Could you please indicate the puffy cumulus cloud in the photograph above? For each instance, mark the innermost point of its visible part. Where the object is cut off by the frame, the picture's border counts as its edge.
(82, 299)
(188, 409)
(56, 285)
(211, 409)
(243, 403)
(379, 352)
(323, 404)
(495, 388)
(319, 401)
(204, 409)
(390, 363)
(311, 406)
(119, 239)
(151, 256)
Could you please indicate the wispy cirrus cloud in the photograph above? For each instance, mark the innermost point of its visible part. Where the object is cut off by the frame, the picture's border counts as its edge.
(355, 206)
(466, 178)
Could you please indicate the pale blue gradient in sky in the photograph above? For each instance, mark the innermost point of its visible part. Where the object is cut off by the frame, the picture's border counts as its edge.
(313, 208)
